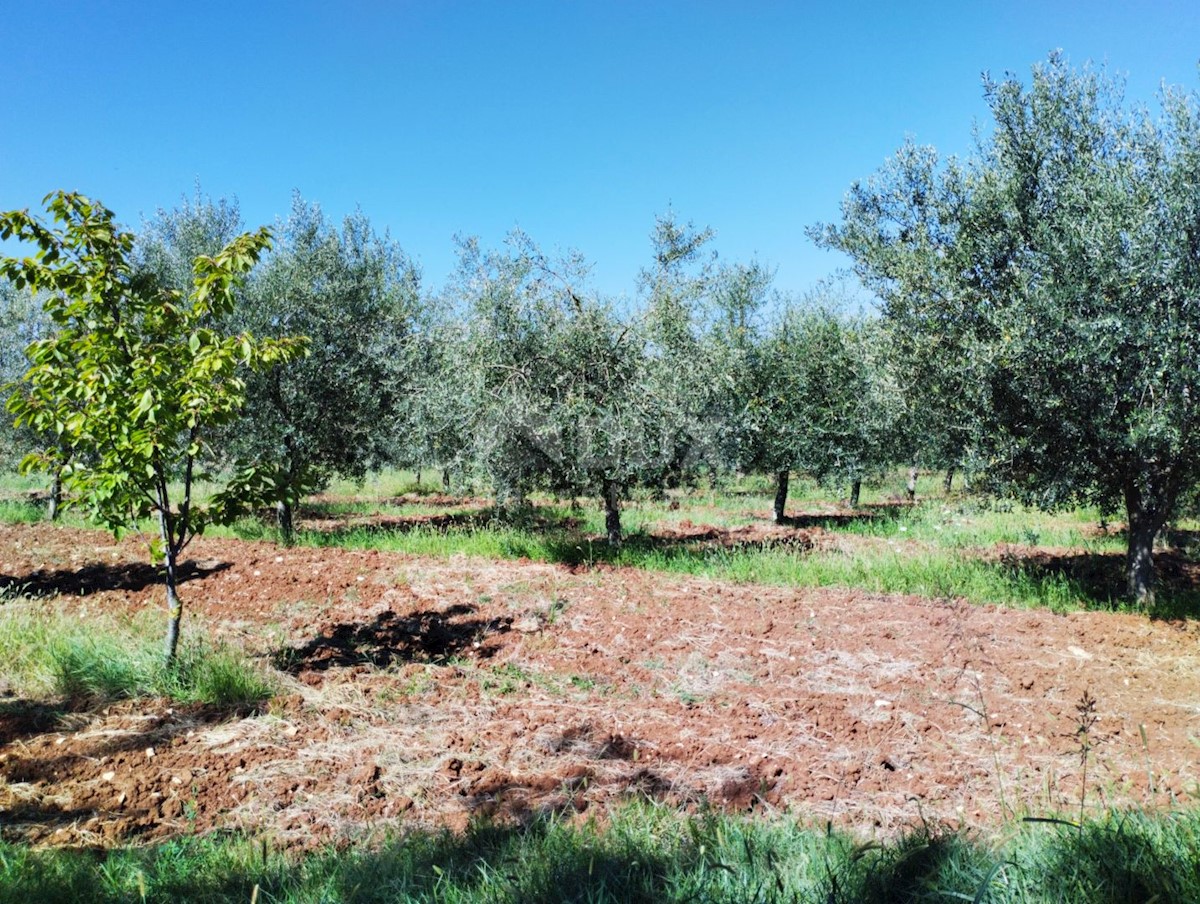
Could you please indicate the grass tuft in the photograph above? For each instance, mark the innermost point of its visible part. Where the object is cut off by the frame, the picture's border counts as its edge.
(46, 651)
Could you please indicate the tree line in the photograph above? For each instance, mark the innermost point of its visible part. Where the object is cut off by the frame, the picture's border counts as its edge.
(517, 373)
(1037, 329)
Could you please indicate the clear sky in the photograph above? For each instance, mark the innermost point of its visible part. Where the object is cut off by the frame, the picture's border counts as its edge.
(576, 121)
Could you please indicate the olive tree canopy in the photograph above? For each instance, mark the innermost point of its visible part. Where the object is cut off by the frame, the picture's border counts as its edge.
(1052, 283)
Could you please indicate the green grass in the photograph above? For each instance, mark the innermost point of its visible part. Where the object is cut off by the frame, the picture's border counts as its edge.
(936, 574)
(89, 660)
(949, 570)
(933, 549)
(21, 511)
(646, 854)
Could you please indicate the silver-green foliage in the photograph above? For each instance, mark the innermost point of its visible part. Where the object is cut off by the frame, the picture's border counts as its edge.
(21, 322)
(551, 375)
(333, 413)
(1055, 278)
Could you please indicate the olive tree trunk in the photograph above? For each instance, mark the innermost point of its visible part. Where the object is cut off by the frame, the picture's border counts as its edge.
(855, 493)
(612, 512)
(910, 489)
(781, 493)
(284, 518)
(1146, 514)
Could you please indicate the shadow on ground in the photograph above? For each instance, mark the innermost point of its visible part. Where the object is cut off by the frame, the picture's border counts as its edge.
(873, 514)
(1099, 578)
(390, 638)
(98, 578)
(21, 719)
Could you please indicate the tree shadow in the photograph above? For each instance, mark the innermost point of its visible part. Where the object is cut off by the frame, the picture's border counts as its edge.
(97, 578)
(903, 871)
(875, 513)
(537, 862)
(1099, 580)
(25, 816)
(21, 719)
(698, 545)
(1121, 860)
(429, 636)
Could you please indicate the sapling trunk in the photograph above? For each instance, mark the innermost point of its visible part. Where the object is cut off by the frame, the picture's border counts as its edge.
(948, 482)
(55, 505)
(782, 479)
(855, 492)
(174, 604)
(446, 481)
(612, 512)
(910, 488)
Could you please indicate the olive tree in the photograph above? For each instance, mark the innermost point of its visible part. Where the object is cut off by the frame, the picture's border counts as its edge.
(438, 411)
(823, 401)
(134, 378)
(22, 321)
(688, 367)
(549, 381)
(331, 413)
(1052, 281)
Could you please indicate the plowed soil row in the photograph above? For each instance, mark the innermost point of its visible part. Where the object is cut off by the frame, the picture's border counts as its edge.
(427, 692)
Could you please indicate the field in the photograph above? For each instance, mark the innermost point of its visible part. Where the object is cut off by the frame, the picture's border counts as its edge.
(425, 670)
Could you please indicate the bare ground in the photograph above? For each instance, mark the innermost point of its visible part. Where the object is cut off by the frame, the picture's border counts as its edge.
(426, 692)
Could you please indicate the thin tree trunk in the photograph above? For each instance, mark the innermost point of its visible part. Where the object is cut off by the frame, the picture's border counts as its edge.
(55, 505)
(283, 516)
(855, 493)
(911, 488)
(948, 483)
(782, 478)
(174, 604)
(612, 513)
(418, 480)
(446, 481)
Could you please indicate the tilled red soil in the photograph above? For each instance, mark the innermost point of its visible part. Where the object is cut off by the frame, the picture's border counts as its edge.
(426, 692)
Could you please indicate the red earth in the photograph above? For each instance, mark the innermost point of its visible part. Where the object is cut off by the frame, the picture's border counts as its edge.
(426, 692)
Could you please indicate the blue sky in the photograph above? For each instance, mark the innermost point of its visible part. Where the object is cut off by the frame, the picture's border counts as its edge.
(576, 121)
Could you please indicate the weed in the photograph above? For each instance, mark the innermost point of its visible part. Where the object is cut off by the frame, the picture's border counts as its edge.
(582, 682)
(1086, 718)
